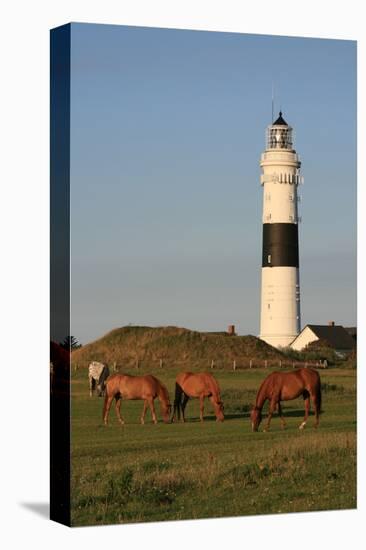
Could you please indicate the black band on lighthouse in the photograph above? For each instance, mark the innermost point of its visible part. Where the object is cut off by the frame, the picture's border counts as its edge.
(280, 245)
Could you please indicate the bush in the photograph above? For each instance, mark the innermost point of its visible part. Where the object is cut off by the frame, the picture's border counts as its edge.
(315, 351)
(351, 361)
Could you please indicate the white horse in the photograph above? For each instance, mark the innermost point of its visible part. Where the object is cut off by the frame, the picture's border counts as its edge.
(98, 373)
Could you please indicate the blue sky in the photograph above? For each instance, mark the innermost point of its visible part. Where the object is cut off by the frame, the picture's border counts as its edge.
(167, 128)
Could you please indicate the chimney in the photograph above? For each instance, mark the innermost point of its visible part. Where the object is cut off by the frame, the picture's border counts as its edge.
(331, 323)
(231, 330)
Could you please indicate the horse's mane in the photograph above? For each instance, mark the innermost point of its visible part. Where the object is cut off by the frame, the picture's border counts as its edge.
(261, 388)
(214, 383)
(164, 391)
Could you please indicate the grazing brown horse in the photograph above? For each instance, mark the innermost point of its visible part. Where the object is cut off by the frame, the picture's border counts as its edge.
(124, 386)
(284, 386)
(201, 385)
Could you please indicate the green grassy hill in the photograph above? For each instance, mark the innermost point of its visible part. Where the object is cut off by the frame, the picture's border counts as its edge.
(174, 345)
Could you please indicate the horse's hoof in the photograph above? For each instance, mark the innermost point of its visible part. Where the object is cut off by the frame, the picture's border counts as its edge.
(302, 426)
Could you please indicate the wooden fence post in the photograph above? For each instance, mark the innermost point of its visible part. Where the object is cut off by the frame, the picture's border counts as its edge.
(114, 366)
(265, 363)
(137, 363)
(234, 365)
(280, 363)
(161, 363)
(212, 364)
(250, 363)
(293, 364)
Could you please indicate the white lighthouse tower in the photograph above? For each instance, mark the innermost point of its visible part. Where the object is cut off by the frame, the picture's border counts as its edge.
(280, 296)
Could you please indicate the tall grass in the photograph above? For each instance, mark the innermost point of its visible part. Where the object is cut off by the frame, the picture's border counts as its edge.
(297, 476)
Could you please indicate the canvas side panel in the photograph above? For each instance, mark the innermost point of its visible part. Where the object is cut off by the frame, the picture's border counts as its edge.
(60, 272)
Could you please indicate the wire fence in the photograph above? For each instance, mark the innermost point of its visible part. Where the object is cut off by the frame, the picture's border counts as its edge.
(212, 364)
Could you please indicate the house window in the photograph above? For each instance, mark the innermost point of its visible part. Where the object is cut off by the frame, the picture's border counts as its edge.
(269, 258)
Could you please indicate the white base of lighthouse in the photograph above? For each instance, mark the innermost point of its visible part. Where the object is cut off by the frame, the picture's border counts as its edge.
(280, 305)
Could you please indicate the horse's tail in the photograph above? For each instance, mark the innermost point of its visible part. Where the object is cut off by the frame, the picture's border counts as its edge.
(178, 394)
(102, 379)
(319, 395)
(177, 399)
(105, 401)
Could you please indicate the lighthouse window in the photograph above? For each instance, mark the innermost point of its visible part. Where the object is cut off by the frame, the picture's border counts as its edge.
(269, 306)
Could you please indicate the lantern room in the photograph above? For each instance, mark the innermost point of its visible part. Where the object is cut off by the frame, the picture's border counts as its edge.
(279, 134)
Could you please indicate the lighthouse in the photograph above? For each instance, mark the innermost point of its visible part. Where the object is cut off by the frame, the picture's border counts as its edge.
(280, 289)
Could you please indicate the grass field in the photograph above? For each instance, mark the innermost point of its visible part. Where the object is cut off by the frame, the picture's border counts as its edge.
(159, 472)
